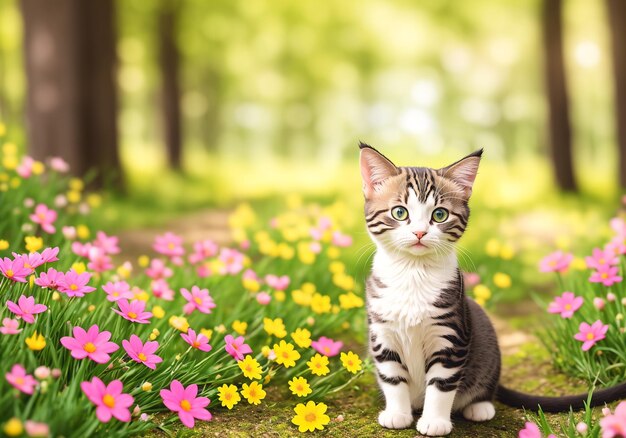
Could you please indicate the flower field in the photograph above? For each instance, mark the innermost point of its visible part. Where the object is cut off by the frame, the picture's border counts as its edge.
(94, 343)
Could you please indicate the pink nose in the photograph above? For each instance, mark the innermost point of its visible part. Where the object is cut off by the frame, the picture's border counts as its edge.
(420, 234)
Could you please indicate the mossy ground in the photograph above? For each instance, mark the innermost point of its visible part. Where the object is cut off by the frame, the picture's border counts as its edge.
(529, 370)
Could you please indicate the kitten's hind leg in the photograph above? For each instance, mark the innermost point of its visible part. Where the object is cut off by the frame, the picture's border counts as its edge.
(479, 411)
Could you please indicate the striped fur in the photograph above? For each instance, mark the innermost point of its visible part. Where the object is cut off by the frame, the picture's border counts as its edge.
(434, 349)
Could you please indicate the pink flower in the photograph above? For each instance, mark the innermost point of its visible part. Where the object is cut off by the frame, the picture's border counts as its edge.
(277, 283)
(58, 164)
(26, 308)
(598, 303)
(10, 326)
(92, 344)
(611, 297)
(161, 289)
(606, 274)
(49, 255)
(69, 233)
(232, 260)
(44, 217)
(184, 401)
(566, 304)
(614, 425)
(471, 279)
(75, 285)
(31, 261)
(158, 270)
(590, 334)
(327, 346)
(202, 251)
(99, 261)
(197, 299)
(315, 247)
(142, 353)
(617, 246)
(249, 274)
(108, 244)
(109, 399)
(20, 380)
(601, 258)
(14, 270)
(117, 290)
(531, 430)
(81, 249)
(25, 168)
(49, 279)
(556, 262)
(199, 341)
(133, 311)
(263, 298)
(169, 244)
(619, 226)
(237, 347)
(36, 429)
(341, 240)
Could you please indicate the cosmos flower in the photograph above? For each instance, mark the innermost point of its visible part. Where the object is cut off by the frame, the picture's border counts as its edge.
(133, 311)
(185, 402)
(169, 244)
(566, 304)
(600, 258)
(590, 334)
(556, 262)
(276, 282)
(109, 399)
(197, 299)
(327, 346)
(10, 326)
(237, 347)
(199, 341)
(18, 378)
(26, 308)
(606, 274)
(45, 217)
(75, 285)
(92, 344)
(614, 425)
(14, 269)
(50, 279)
(142, 353)
(117, 290)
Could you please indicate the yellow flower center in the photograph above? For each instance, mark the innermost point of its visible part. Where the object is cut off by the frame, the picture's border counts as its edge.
(601, 261)
(27, 265)
(132, 315)
(604, 275)
(10, 273)
(195, 344)
(252, 393)
(286, 354)
(552, 263)
(41, 216)
(185, 405)
(568, 307)
(590, 336)
(142, 357)
(327, 349)
(73, 287)
(228, 396)
(310, 417)
(300, 387)
(19, 380)
(171, 246)
(108, 400)
(89, 347)
(198, 300)
(116, 294)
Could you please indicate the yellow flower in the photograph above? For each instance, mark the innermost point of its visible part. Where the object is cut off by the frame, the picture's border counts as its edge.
(300, 387)
(38, 167)
(337, 267)
(502, 280)
(240, 327)
(482, 292)
(279, 296)
(3, 129)
(158, 312)
(207, 332)
(480, 301)
(506, 252)
(333, 252)
(492, 248)
(344, 281)
(350, 301)
(220, 328)
(285, 354)
(228, 395)
(141, 295)
(94, 200)
(125, 269)
(318, 365)
(146, 386)
(351, 362)
(3, 244)
(33, 243)
(143, 261)
(179, 323)
(254, 392)
(320, 303)
(305, 254)
(82, 231)
(79, 267)
(76, 184)
(13, 427)
(251, 284)
(91, 308)
(15, 182)
(250, 368)
(274, 327)
(9, 148)
(285, 251)
(310, 416)
(36, 342)
(73, 196)
(266, 350)
(302, 337)
(308, 288)
(9, 162)
(578, 264)
(301, 298)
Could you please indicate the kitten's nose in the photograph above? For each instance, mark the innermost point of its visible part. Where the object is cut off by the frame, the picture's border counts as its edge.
(420, 234)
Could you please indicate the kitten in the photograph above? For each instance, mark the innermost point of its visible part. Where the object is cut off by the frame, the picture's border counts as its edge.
(435, 349)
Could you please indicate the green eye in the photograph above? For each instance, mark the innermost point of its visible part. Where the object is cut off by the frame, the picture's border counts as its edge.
(399, 213)
(440, 214)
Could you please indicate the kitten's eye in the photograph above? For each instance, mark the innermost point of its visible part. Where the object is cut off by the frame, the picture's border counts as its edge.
(440, 214)
(399, 213)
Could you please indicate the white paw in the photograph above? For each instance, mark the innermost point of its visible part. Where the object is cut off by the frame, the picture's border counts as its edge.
(481, 411)
(395, 420)
(434, 426)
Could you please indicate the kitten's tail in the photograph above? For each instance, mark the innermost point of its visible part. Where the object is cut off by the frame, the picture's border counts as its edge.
(559, 404)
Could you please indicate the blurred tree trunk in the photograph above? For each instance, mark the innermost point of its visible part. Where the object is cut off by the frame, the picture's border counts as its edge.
(558, 104)
(170, 61)
(71, 104)
(617, 21)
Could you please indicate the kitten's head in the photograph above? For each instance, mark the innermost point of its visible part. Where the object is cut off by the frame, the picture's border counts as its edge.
(416, 211)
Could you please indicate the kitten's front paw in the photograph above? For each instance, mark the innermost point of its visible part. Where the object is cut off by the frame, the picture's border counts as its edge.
(394, 420)
(434, 426)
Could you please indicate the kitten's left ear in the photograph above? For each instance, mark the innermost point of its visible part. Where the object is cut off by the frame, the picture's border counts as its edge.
(464, 171)
(375, 168)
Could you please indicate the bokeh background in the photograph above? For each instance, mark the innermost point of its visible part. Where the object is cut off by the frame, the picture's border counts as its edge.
(174, 106)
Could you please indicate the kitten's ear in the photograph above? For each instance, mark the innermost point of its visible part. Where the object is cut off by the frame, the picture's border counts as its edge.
(375, 168)
(464, 171)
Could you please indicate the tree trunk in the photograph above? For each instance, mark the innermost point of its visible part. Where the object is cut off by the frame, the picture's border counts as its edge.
(170, 86)
(71, 103)
(617, 22)
(558, 105)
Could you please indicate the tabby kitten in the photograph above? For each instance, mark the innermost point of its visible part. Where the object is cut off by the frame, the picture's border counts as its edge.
(435, 350)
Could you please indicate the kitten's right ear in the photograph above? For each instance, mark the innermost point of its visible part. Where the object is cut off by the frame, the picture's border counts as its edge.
(375, 168)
